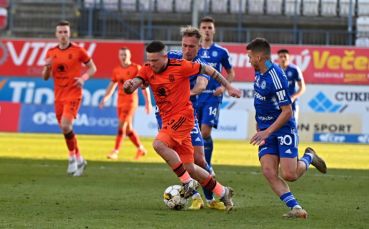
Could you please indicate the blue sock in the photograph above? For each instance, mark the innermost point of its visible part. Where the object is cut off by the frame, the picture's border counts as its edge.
(289, 200)
(208, 194)
(208, 148)
(307, 159)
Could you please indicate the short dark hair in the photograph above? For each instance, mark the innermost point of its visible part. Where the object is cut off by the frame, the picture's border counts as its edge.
(155, 46)
(284, 51)
(207, 19)
(259, 45)
(190, 31)
(63, 23)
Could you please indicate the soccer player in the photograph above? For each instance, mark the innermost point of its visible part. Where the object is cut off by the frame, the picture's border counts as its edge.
(276, 128)
(191, 38)
(294, 76)
(127, 103)
(64, 64)
(211, 98)
(169, 81)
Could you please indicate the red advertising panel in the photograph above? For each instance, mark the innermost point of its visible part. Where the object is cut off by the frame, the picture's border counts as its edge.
(319, 64)
(9, 116)
(26, 57)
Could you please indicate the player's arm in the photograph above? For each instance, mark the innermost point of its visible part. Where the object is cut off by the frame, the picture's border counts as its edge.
(108, 93)
(300, 91)
(206, 69)
(46, 71)
(200, 86)
(131, 85)
(147, 96)
(284, 116)
(91, 70)
(230, 77)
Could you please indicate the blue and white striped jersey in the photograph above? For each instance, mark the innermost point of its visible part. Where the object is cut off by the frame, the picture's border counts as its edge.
(271, 92)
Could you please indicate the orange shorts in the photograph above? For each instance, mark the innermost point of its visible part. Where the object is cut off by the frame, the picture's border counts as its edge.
(68, 109)
(176, 134)
(126, 112)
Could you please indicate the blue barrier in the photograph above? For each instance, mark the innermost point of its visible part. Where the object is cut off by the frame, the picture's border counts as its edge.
(341, 138)
(90, 120)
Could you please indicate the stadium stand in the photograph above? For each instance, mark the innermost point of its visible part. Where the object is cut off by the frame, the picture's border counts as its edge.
(290, 21)
(3, 18)
(328, 8)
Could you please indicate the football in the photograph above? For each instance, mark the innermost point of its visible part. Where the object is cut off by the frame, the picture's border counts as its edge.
(173, 197)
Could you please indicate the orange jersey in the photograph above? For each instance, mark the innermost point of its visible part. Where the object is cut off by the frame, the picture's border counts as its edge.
(66, 65)
(171, 87)
(120, 75)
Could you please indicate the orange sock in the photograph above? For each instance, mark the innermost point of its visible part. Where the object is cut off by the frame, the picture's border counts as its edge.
(133, 136)
(181, 172)
(118, 139)
(212, 185)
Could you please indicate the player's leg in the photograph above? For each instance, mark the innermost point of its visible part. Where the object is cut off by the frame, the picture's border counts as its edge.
(206, 180)
(135, 139)
(209, 119)
(163, 145)
(70, 110)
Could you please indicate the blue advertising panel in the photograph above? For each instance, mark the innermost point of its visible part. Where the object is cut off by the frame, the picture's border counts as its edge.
(341, 138)
(90, 120)
(41, 92)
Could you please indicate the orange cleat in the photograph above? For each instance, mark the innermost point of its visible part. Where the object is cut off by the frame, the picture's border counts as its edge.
(140, 153)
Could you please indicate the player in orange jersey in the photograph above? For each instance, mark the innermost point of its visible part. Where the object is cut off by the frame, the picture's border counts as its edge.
(64, 64)
(127, 103)
(169, 81)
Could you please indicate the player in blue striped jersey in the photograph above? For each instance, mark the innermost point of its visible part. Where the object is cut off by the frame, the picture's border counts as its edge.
(211, 98)
(295, 78)
(276, 128)
(190, 45)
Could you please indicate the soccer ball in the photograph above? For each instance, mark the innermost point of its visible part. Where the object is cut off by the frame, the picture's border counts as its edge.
(173, 197)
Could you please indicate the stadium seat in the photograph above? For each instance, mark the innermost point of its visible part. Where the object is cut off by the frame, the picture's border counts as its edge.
(345, 7)
(128, 5)
(310, 7)
(328, 8)
(182, 5)
(363, 8)
(237, 6)
(4, 3)
(290, 7)
(164, 5)
(203, 5)
(3, 18)
(362, 26)
(110, 4)
(362, 42)
(274, 7)
(91, 3)
(146, 5)
(256, 7)
(219, 6)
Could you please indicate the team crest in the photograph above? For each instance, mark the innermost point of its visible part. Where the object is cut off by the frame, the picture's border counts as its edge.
(214, 53)
(263, 84)
(171, 78)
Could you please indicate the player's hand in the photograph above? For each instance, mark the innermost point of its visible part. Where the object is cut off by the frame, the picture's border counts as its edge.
(79, 81)
(234, 92)
(220, 90)
(101, 104)
(128, 86)
(259, 138)
(48, 62)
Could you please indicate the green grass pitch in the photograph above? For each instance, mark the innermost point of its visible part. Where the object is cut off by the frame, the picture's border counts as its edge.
(35, 191)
